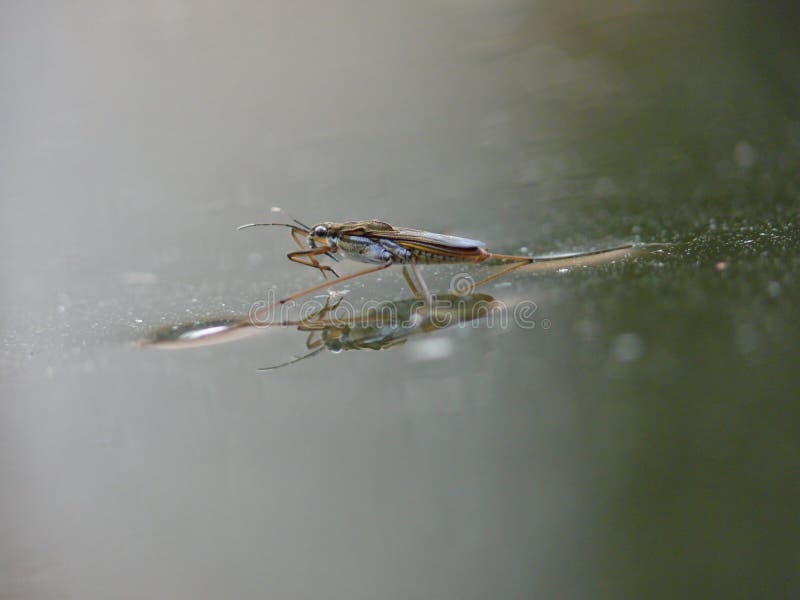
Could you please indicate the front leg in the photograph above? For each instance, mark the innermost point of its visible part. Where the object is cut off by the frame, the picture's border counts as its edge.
(307, 258)
(313, 262)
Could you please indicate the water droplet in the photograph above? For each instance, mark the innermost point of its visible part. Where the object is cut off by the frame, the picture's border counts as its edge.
(432, 349)
(746, 338)
(744, 155)
(605, 187)
(627, 347)
(136, 278)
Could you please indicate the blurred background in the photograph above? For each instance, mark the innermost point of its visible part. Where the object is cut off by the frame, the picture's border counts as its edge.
(643, 444)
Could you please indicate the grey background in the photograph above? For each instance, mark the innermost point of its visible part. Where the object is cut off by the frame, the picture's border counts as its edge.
(644, 445)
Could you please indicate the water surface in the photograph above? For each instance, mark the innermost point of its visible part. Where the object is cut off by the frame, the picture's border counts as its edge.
(643, 443)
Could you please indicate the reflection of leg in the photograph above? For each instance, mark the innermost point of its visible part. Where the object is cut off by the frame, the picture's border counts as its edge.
(317, 350)
(324, 285)
(311, 343)
(425, 292)
(314, 322)
(521, 262)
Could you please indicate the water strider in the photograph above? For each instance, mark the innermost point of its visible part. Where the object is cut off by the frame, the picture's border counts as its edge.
(371, 329)
(383, 245)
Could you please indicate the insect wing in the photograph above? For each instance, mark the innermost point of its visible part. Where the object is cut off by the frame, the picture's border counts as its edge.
(427, 238)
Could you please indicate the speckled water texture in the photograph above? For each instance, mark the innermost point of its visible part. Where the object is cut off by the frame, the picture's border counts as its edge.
(636, 438)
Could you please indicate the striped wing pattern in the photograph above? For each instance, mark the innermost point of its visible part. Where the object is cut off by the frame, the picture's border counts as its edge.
(424, 242)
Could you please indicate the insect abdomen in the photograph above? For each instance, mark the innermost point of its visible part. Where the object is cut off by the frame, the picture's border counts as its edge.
(427, 257)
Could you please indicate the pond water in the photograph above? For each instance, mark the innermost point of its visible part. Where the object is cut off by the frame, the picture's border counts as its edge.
(637, 438)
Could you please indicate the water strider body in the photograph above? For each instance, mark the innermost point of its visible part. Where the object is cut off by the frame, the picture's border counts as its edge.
(383, 245)
(378, 242)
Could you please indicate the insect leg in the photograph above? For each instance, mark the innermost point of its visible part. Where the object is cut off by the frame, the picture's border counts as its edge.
(264, 310)
(306, 258)
(298, 239)
(340, 280)
(425, 291)
(520, 261)
(410, 283)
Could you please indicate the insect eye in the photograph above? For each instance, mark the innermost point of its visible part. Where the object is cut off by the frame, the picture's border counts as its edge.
(320, 231)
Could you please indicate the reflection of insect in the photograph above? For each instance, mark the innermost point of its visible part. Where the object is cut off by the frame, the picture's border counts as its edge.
(388, 325)
(382, 326)
(381, 244)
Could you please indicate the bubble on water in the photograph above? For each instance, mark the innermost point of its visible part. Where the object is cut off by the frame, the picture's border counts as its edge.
(276, 209)
(627, 347)
(138, 278)
(496, 130)
(605, 187)
(746, 338)
(744, 155)
(587, 329)
(64, 299)
(432, 349)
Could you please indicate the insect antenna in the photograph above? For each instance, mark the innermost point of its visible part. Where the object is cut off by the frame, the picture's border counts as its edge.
(307, 228)
(299, 226)
(289, 225)
(294, 360)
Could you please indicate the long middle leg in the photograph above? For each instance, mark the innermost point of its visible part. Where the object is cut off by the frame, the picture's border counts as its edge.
(518, 260)
(425, 291)
(261, 313)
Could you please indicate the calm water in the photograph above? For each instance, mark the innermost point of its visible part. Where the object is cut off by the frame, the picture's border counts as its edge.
(640, 440)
